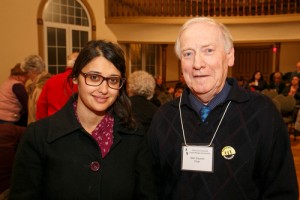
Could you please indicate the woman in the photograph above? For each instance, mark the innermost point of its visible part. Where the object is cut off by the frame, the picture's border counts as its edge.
(257, 82)
(293, 89)
(140, 88)
(14, 98)
(35, 67)
(91, 148)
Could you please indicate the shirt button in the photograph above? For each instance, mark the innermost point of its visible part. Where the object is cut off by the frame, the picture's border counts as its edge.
(95, 166)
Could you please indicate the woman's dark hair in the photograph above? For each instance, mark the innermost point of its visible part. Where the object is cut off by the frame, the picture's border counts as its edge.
(253, 76)
(113, 53)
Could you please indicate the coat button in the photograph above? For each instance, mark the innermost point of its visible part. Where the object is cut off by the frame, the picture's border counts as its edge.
(95, 166)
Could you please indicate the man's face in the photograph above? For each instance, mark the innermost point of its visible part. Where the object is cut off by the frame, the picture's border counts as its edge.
(159, 80)
(204, 60)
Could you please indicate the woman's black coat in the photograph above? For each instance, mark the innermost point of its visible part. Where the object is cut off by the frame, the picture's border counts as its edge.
(58, 159)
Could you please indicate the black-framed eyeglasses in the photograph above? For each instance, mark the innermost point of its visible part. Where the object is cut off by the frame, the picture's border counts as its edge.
(94, 79)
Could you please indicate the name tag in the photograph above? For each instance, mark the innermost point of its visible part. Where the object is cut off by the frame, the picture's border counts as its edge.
(197, 158)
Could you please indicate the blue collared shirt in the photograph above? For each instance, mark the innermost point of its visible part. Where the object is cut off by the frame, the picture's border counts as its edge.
(218, 99)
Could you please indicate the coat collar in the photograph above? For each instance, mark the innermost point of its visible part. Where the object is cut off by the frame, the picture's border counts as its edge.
(63, 122)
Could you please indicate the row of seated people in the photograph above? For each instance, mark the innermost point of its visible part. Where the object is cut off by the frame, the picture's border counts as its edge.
(288, 86)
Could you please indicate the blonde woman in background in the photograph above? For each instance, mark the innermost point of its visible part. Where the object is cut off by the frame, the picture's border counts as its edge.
(35, 67)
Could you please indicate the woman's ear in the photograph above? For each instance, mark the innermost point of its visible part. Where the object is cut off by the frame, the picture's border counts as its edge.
(74, 80)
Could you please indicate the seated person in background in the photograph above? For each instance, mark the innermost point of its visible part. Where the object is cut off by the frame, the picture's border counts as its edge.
(276, 82)
(241, 81)
(181, 81)
(178, 90)
(140, 88)
(14, 98)
(297, 71)
(10, 136)
(161, 91)
(56, 91)
(293, 89)
(257, 82)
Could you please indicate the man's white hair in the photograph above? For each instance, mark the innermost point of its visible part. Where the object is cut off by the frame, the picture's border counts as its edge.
(228, 43)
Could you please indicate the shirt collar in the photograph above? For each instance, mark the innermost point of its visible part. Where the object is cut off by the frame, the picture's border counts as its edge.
(218, 99)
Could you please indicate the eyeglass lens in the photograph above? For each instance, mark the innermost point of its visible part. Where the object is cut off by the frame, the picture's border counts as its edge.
(97, 79)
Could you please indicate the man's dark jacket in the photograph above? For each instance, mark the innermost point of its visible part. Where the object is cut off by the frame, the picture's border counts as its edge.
(261, 168)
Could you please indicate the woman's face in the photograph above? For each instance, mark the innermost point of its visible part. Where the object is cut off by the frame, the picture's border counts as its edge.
(96, 99)
(257, 76)
(295, 81)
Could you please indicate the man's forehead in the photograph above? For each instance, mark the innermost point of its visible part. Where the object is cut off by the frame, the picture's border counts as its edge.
(202, 30)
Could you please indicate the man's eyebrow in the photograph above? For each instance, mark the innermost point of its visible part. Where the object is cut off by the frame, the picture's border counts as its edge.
(191, 49)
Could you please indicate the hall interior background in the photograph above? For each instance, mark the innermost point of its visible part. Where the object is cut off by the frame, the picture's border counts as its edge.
(266, 33)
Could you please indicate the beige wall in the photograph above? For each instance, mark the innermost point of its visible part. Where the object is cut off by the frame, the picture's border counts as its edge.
(289, 56)
(18, 36)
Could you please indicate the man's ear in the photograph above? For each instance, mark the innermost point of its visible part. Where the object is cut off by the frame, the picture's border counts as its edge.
(230, 57)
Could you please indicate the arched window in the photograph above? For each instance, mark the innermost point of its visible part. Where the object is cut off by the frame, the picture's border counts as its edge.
(67, 28)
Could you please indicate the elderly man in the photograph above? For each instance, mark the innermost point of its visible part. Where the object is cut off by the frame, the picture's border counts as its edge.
(218, 141)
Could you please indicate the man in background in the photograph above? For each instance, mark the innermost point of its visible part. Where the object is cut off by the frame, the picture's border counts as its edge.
(56, 91)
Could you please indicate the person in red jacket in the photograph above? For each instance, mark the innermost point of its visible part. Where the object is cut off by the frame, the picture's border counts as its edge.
(56, 91)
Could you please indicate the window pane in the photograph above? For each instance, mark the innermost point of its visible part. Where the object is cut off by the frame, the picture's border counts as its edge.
(51, 35)
(72, 3)
(136, 57)
(52, 56)
(85, 22)
(64, 2)
(61, 69)
(64, 10)
(78, 12)
(150, 56)
(64, 19)
(56, 18)
(78, 21)
(52, 69)
(75, 38)
(71, 20)
(71, 11)
(61, 37)
(62, 56)
(56, 8)
(84, 38)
